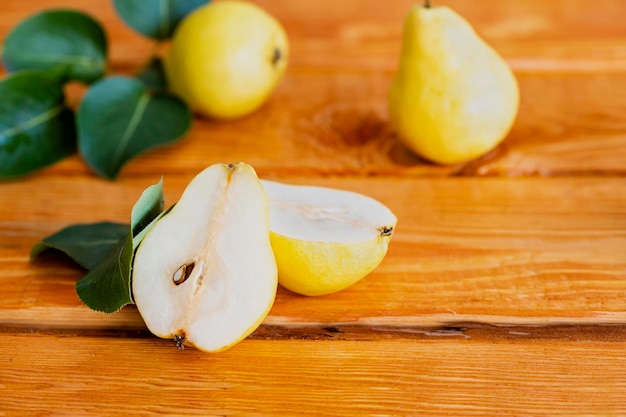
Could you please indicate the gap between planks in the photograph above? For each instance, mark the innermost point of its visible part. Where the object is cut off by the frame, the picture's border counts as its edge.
(459, 331)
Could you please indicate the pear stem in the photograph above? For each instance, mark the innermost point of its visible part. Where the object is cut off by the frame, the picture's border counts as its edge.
(427, 4)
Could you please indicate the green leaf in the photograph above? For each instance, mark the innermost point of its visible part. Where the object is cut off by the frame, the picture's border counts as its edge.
(153, 76)
(139, 236)
(67, 44)
(119, 119)
(147, 208)
(155, 19)
(86, 244)
(36, 127)
(107, 287)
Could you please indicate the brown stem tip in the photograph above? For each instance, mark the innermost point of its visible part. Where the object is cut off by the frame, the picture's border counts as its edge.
(427, 4)
(180, 342)
(276, 56)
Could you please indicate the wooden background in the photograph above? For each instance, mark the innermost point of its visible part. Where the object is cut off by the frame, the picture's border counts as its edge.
(504, 290)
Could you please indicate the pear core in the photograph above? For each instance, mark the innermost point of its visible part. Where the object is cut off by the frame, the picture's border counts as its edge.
(324, 239)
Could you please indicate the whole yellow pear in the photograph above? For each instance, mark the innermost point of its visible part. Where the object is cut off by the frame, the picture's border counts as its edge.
(226, 58)
(453, 98)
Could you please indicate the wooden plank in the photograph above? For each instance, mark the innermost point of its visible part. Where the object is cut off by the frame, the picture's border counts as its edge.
(501, 295)
(523, 251)
(329, 117)
(566, 35)
(324, 123)
(61, 375)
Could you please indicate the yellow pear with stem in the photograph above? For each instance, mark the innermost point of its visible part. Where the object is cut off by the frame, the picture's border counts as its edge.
(453, 97)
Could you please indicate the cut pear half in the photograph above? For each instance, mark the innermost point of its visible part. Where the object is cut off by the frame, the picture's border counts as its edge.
(325, 239)
(205, 274)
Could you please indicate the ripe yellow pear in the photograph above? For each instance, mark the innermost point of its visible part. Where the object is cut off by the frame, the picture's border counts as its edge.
(226, 58)
(325, 239)
(453, 98)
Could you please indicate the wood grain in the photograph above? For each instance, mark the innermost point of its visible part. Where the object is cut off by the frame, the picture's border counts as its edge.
(564, 35)
(524, 251)
(329, 114)
(503, 290)
(48, 375)
(328, 123)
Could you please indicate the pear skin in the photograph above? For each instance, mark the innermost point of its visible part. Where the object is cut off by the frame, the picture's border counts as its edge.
(453, 97)
(226, 59)
(325, 239)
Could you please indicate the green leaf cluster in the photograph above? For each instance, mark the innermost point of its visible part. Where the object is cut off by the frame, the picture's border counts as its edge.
(107, 251)
(119, 117)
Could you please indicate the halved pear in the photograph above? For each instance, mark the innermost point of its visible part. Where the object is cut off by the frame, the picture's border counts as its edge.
(205, 274)
(325, 239)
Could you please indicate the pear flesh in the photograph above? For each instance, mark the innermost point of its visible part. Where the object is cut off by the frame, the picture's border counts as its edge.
(453, 98)
(205, 274)
(324, 239)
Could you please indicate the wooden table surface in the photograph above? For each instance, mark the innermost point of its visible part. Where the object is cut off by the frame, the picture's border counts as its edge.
(504, 289)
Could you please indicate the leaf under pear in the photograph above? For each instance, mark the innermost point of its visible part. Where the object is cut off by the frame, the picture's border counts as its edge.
(107, 287)
(106, 250)
(86, 244)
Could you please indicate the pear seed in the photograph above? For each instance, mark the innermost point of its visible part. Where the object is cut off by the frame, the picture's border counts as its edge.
(183, 273)
(386, 231)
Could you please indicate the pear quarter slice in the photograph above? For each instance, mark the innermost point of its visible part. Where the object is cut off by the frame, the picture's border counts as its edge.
(325, 239)
(205, 274)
